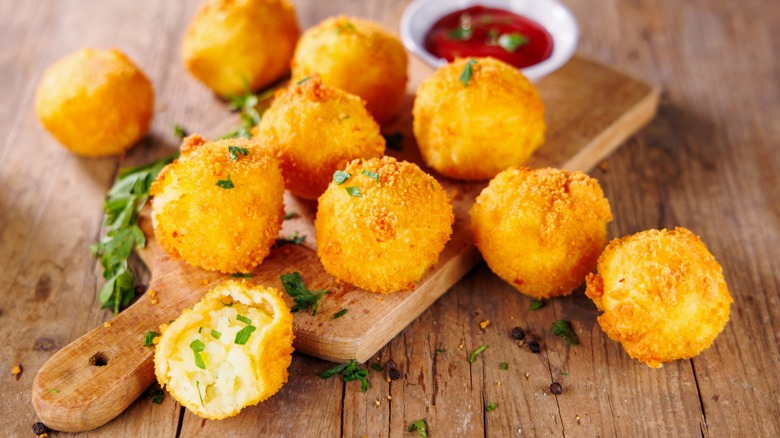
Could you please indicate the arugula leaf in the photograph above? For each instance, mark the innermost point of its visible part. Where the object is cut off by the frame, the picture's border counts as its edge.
(420, 426)
(303, 298)
(562, 329)
(468, 71)
(123, 204)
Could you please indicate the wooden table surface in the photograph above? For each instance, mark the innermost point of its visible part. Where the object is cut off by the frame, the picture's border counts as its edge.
(709, 161)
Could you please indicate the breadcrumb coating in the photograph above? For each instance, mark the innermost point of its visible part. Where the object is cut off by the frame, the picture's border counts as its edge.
(232, 375)
(662, 294)
(474, 131)
(218, 228)
(315, 129)
(95, 102)
(234, 44)
(386, 238)
(541, 230)
(358, 56)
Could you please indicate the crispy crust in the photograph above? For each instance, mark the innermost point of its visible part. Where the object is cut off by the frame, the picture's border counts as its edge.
(662, 294)
(541, 230)
(358, 56)
(474, 132)
(385, 240)
(235, 376)
(314, 130)
(95, 102)
(226, 230)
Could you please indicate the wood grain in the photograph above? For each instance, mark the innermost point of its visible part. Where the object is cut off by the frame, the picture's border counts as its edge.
(708, 161)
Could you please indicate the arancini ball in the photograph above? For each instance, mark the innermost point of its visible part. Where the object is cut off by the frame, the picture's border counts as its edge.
(95, 102)
(219, 206)
(358, 56)
(234, 44)
(381, 224)
(662, 294)
(475, 117)
(231, 350)
(314, 130)
(541, 230)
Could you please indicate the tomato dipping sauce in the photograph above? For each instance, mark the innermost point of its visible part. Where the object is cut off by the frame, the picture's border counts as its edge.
(483, 31)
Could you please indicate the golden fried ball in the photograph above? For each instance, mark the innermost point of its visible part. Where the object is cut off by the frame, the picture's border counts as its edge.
(232, 44)
(231, 350)
(358, 56)
(95, 102)
(381, 226)
(662, 295)
(220, 205)
(476, 117)
(315, 130)
(541, 230)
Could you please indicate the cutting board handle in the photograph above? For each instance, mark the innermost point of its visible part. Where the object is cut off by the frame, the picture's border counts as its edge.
(92, 380)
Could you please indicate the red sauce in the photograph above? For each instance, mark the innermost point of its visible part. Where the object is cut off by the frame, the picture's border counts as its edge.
(483, 31)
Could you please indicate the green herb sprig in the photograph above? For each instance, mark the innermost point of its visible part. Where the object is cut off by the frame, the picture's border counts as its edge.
(123, 204)
(250, 109)
(303, 298)
(468, 71)
(349, 372)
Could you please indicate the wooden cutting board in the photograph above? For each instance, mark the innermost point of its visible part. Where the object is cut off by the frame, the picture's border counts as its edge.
(590, 110)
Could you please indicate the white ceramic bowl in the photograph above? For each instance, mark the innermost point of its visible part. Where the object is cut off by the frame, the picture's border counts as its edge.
(421, 15)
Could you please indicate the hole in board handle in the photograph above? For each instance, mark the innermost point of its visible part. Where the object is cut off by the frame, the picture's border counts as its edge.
(98, 359)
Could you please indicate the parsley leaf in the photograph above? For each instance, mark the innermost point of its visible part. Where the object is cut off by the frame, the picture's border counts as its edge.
(491, 406)
(349, 372)
(156, 395)
(123, 204)
(372, 175)
(512, 41)
(562, 329)
(226, 183)
(247, 105)
(354, 192)
(340, 313)
(303, 298)
(420, 426)
(339, 177)
(197, 346)
(235, 151)
(504, 366)
(468, 71)
(377, 367)
(295, 238)
(149, 338)
(536, 304)
(179, 132)
(477, 352)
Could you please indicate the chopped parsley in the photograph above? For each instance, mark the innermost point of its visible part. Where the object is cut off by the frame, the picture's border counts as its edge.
(377, 367)
(504, 366)
(197, 346)
(562, 329)
(477, 352)
(235, 151)
(468, 71)
(149, 339)
(512, 41)
(247, 105)
(243, 335)
(372, 175)
(354, 192)
(290, 215)
(123, 204)
(339, 177)
(536, 304)
(349, 372)
(215, 334)
(393, 141)
(420, 426)
(156, 395)
(241, 275)
(303, 298)
(179, 131)
(491, 406)
(340, 313)
(295, 238)
(225, 183)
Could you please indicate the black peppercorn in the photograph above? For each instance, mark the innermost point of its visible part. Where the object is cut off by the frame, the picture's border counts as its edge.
(534, 346)
(392, 372)
(556, 388)
(517, 333)
(40, 428)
